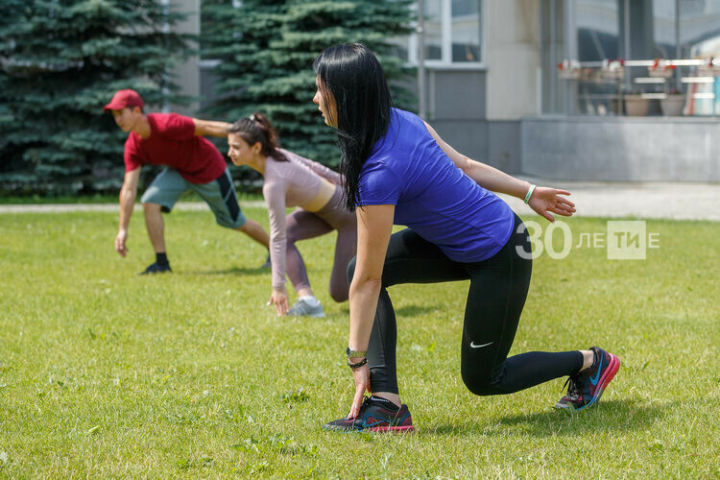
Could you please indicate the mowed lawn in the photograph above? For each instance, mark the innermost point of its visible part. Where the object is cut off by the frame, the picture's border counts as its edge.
(105, 374)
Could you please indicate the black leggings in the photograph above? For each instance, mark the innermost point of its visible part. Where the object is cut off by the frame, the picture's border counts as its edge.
(498, 287)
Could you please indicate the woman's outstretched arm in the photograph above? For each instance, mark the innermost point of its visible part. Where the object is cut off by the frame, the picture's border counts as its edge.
(545, 201)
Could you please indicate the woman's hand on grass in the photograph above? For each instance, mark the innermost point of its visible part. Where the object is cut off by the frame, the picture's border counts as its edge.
(279, 298)
(362, 385)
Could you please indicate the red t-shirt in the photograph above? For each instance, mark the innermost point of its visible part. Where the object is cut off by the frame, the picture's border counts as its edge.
(173, 142)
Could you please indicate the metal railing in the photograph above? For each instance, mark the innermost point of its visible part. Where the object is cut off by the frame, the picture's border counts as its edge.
(605, 87)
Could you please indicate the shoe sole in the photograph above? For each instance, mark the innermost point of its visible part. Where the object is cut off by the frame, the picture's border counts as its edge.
(608, 375)
(304, 314)
(403, 429)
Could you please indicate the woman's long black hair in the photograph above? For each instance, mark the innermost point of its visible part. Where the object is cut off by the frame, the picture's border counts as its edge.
(352, 76)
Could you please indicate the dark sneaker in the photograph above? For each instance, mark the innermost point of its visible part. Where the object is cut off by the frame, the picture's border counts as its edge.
(585, 388)
(376, 415)
(267, 263)
(156, 268)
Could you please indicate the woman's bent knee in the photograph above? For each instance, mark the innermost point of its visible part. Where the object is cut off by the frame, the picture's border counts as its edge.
(339, 294)
(481, 387)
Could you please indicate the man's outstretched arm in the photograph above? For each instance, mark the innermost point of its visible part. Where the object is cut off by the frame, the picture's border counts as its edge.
(208, 127)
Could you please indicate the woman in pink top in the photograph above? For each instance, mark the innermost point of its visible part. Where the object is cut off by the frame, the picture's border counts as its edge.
(291, 180)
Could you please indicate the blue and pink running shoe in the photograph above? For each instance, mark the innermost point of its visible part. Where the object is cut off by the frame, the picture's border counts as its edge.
(585, 388)
(376, 415)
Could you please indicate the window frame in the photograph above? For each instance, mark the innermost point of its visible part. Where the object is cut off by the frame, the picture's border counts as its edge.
(446, 61)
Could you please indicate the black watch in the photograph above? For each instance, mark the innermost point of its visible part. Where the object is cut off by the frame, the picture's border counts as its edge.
(354, 353)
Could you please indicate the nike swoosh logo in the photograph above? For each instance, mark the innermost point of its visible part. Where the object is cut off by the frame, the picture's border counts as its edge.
(472, 345)
(594, 380)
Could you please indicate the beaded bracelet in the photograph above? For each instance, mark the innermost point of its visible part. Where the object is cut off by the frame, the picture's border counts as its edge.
(358, 364)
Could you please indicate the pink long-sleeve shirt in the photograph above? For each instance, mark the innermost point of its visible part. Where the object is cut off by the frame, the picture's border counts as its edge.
(287, 184)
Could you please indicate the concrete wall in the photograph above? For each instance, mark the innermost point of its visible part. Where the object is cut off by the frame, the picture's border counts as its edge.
(494, 143)
(456, 94)
(478, 111)
(456, 108)
(621, 149)
(187, 75)
(505, 146)
(513, 58)
(492, 114)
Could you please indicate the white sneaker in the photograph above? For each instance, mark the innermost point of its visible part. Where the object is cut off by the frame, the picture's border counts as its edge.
(307, 306)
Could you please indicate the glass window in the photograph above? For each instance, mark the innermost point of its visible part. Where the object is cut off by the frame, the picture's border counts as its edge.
(664, 29)
(700, 38)
(597, 30)
(433, 29)
(452, 32)
(466, 30)
(699, 28)
(585, 72)
(597, 26)
(552, 49)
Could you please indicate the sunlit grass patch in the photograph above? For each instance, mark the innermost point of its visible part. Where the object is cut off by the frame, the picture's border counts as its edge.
(107, 374)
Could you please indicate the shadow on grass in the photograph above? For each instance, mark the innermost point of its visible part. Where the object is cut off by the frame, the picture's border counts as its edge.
(621, 415)
(406, 311)
(414, 310)
(230, 271)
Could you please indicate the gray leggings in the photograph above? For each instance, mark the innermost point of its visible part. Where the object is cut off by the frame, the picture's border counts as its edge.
(302, 224)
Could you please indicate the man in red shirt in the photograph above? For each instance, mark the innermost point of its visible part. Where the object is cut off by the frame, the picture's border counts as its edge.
(191, 163)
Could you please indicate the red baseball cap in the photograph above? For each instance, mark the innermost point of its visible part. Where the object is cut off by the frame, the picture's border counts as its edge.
(122, 99)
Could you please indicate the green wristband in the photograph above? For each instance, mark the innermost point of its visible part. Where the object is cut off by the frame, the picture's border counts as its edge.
(529, 193)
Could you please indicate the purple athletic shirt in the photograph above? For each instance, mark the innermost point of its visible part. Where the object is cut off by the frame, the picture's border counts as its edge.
(433, 197)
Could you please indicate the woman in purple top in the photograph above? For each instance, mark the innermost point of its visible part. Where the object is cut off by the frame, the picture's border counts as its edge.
(293, 180)
(399, 171)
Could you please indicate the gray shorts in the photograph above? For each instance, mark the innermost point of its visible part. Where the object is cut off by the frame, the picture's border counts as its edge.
(219, 194)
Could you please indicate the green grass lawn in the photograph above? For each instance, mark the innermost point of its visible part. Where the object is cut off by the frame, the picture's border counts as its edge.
(104, 374)
(104, 198)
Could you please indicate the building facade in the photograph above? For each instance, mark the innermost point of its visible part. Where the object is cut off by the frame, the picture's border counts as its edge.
(564, 89)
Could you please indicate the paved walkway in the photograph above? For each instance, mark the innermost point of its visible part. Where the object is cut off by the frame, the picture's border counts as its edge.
(678, 201)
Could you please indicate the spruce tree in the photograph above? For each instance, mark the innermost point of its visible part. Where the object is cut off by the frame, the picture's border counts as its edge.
(267, 47)
(60, 62)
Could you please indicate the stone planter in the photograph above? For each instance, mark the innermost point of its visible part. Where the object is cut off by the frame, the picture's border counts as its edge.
(636, 106)
(673, 105)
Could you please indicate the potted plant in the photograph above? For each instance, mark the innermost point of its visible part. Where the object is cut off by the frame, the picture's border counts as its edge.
(661, 69)
(613, 70)
(569, 69)
(673, 104)
(636, 105)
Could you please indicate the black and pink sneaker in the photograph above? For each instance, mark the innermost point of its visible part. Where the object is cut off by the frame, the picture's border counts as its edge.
(376, 415)
(585, 388)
